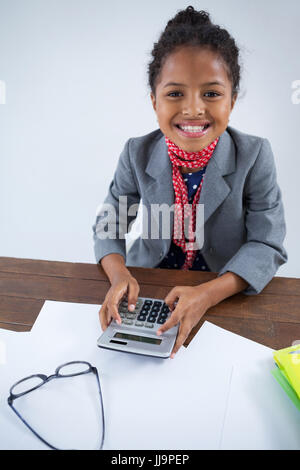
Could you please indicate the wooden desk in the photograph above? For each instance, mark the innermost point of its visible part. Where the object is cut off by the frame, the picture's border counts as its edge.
(271, 318)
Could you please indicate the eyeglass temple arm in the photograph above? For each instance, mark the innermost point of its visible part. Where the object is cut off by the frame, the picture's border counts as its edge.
(29, 427)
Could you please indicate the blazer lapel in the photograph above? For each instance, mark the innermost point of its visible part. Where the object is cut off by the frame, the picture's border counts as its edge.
(160, 190)
(215, 188)
(159, 167)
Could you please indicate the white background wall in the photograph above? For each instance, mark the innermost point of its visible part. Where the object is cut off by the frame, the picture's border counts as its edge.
(76, 89)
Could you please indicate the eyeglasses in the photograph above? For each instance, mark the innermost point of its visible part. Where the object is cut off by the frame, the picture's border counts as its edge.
(69, 369)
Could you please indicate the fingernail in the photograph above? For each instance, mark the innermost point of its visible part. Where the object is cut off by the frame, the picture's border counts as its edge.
(131, 307)
(119, 322)
(172, 356)
(158, 332)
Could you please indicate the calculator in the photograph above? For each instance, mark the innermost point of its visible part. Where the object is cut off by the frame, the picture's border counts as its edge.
(137, 333)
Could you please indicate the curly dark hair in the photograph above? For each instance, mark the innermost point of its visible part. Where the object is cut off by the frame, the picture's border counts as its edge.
(190, 27)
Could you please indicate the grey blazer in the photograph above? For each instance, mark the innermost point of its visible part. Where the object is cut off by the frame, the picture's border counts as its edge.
(244, 226)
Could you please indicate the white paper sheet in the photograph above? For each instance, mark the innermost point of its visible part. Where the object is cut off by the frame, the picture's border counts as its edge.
(149, 403)
(193, 401)
(260, 415)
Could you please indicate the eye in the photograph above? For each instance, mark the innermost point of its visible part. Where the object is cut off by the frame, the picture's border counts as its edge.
(174, 93)
(212, 94)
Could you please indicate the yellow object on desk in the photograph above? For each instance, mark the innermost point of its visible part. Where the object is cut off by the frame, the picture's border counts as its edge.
(288, 371)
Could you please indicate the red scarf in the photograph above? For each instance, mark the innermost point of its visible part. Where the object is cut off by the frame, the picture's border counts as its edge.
(181, 158)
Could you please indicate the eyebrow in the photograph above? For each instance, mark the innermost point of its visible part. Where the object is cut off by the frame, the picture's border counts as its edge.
(204, 84)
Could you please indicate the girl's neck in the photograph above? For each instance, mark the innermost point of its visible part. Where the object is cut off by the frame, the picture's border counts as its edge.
(189, 170)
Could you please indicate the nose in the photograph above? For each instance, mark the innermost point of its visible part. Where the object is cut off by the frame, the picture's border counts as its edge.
(193, 106)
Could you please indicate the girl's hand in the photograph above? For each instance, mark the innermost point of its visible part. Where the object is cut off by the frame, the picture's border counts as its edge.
(122, 284)
(192, 303)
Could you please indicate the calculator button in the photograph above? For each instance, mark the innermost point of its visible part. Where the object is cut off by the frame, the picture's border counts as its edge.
(161, 320)
(122, 315)
(157, 303)
(149, 325)
(151, 319)
(165, 309)
(163, 315)
(139, 323)
(155, 308)
(127, 322)
(130, 316)
(144, 312)
(142, 317)
(153, 314)
(146, 307)
(148, 302)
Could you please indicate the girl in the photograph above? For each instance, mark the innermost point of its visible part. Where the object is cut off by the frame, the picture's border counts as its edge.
(194, 159)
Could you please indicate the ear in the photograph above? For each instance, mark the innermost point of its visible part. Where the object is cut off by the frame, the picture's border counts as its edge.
(153, 101)
(233, 101)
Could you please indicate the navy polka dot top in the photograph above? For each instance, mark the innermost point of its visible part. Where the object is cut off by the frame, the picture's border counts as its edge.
(175, 258)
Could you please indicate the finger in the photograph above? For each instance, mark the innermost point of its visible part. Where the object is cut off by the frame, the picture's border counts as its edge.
(112, 308)
(103, 317)
(172, 321)
(172, 298)
(133, 293)
(182, 335)
(109, 317)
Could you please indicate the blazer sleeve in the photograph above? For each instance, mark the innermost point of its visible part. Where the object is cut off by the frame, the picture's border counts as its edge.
(113, 220)
(260, 257)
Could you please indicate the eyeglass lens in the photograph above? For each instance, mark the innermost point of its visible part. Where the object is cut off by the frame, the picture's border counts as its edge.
(27, 384)
(73, 368)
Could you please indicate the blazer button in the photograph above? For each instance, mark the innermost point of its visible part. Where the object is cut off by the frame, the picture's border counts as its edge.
(211, 250)
(161, 254)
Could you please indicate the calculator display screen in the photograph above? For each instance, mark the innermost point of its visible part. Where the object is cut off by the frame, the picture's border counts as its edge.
(143, 339)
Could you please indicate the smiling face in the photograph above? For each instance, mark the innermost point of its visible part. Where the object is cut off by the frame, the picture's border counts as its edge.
(193, 97)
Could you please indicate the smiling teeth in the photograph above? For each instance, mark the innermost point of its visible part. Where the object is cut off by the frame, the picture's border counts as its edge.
(192, 128)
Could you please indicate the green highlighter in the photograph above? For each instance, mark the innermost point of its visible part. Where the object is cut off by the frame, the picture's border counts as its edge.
(287, 372)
